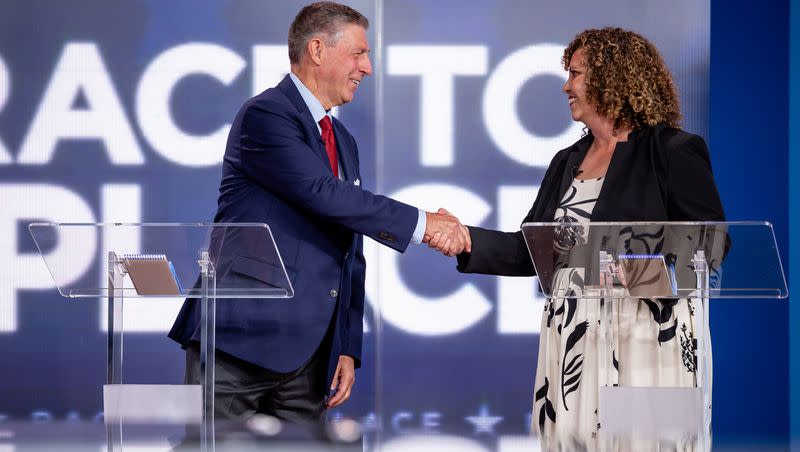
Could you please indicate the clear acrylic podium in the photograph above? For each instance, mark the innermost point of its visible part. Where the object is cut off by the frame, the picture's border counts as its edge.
(148, 263)
(614, 264)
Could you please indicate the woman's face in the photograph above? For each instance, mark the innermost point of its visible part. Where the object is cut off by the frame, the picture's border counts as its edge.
(575, 88)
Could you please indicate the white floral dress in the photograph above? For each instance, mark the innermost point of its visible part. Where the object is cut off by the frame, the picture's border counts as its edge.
(653, 345)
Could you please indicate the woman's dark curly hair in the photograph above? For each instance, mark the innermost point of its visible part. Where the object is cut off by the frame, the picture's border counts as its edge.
(626, 78)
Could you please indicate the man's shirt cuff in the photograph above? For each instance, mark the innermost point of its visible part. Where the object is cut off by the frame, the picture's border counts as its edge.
(419, 232)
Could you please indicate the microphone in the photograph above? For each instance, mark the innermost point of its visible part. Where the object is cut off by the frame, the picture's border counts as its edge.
(576, 171)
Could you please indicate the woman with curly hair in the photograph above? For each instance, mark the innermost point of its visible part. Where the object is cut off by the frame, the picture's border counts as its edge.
(633, 164)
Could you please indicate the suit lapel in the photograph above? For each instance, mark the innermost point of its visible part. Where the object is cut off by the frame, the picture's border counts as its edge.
(615, 175)
(564, 174)
(346, 156)
(571, 165)
(288, 87)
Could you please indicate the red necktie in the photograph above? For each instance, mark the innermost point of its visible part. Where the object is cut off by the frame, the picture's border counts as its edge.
(330, 143)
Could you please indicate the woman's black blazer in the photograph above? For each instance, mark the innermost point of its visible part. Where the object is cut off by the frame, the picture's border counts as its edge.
(659, 174)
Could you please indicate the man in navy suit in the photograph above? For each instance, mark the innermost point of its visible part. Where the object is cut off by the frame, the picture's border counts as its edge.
(290, 164)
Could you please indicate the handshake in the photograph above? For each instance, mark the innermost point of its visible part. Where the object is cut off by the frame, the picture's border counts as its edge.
(445, 233)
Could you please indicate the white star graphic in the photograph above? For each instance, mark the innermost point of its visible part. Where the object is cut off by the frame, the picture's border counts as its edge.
(484, 422)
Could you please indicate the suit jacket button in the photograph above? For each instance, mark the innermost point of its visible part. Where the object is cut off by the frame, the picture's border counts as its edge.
(334, 293)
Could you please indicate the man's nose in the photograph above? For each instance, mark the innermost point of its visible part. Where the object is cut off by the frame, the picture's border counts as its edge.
(366, 66)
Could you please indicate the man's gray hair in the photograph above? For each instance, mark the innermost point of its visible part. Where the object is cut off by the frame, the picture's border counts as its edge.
(320, 19)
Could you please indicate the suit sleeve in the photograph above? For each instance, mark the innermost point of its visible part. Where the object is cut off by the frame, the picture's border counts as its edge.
(354, 332)
(496, 253)
(505, 253)
(275, 155)
(691, 191)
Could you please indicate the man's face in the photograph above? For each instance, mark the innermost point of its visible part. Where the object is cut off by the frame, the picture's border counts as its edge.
(344, 66)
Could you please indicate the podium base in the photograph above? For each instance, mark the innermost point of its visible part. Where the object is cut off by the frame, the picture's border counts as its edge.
(153, 404)
(651, 411)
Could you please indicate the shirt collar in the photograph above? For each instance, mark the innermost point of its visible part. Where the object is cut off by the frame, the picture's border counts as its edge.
(313, 104)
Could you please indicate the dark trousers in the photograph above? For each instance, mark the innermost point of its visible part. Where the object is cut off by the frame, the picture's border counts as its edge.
(243, 389)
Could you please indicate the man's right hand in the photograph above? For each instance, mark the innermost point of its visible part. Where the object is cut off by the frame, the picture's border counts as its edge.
(444, 232)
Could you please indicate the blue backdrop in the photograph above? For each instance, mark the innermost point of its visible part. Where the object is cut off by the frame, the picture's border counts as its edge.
(750, 156)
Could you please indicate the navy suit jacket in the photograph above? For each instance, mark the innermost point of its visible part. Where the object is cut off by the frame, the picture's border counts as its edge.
(276, 171)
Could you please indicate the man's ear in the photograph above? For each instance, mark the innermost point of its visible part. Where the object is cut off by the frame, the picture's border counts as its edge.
(314, 48)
